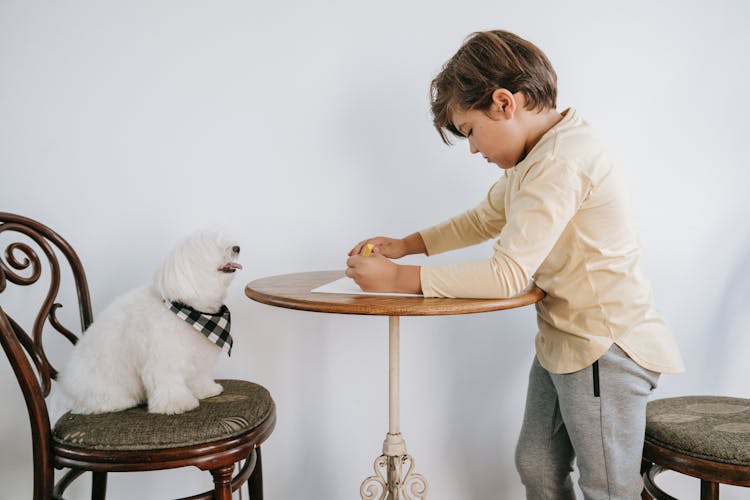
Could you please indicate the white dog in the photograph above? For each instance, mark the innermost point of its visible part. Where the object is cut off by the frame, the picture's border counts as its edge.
(147, 346)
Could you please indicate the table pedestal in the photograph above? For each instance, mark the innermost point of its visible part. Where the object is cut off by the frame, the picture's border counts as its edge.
(395, 484)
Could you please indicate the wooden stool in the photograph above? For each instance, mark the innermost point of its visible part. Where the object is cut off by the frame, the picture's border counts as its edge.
(707, 437)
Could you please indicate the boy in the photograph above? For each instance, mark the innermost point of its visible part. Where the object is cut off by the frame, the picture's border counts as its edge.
(559, 216)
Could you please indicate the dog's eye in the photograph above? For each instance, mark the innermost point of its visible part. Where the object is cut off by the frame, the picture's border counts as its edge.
(236, 249)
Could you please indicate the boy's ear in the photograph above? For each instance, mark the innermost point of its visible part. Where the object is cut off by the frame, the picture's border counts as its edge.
(503, 104)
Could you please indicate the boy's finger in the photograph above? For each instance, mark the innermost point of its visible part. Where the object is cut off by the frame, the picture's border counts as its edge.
(357, 249)
(352, 261)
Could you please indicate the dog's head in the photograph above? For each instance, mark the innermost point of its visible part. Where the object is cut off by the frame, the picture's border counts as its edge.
(199, 271)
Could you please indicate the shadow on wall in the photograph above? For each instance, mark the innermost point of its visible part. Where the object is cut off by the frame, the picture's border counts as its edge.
(489, 356)
(387, 131)
(729, 339)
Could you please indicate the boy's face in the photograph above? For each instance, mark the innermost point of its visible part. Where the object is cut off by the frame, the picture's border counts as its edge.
(497, 133)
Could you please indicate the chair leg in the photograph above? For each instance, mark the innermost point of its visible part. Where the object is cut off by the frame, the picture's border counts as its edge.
(255, 482)
(98, 485)
(709, 490)
(223, 482)
(645, 464)
(65, 481)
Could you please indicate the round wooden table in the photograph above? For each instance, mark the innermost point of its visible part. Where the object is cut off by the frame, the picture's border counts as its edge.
(293, 292)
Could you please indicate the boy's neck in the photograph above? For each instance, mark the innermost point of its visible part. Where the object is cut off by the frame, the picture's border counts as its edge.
(539, 123)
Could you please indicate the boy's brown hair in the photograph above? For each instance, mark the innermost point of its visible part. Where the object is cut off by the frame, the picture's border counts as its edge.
(487, 61)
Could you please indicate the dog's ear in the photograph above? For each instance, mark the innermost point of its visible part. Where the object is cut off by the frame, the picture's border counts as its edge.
(175, 280)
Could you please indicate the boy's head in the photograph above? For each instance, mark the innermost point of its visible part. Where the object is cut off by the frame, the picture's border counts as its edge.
(488, 61)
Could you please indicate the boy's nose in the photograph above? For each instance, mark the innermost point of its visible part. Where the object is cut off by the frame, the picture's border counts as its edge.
(472, 148)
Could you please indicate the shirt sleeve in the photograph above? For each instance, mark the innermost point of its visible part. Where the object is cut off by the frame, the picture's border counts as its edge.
(548, 197)
(474, 226)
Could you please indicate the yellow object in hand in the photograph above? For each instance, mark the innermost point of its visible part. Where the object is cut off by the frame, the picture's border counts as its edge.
(368, 250)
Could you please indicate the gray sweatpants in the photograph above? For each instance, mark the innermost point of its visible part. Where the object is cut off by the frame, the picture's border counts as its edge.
(596, 416)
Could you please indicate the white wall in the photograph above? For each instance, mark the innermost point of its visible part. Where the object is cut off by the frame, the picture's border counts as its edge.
(305, 127)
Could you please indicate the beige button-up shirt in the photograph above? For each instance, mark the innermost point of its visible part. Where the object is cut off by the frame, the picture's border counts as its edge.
(561, 218)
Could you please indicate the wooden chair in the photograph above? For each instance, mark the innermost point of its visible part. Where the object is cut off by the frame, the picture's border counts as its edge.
(707, 437)
(223, 431)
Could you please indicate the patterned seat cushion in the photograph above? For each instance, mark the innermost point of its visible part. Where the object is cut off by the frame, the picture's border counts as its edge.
(240, 407)
(709, 427)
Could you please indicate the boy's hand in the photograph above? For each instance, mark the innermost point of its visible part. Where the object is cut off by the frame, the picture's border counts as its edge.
(391, 247)
(373, 274)
(378, 274)
(387, 247)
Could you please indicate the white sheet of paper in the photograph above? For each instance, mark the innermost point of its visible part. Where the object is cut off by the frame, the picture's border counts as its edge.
(347, 285)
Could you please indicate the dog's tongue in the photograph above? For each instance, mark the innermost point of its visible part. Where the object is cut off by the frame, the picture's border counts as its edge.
(230, 267)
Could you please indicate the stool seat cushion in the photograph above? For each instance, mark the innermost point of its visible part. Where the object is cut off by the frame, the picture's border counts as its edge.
(712, 428)
(241, 407)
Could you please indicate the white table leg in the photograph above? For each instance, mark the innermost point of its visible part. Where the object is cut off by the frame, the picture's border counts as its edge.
(394, 485)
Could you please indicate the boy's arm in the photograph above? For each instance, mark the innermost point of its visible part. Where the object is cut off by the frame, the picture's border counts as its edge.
(414, 244)
(481, 223)
(546, 202)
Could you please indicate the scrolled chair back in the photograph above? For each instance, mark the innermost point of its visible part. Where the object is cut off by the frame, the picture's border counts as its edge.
(28, 250)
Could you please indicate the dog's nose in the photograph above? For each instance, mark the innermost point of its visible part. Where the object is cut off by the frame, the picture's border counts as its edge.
(236, 249)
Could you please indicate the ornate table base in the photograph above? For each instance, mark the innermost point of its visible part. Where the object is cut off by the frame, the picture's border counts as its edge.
(389, 481)
(397, 486)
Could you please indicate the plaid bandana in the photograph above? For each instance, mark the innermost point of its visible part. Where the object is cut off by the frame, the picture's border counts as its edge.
(214, 326)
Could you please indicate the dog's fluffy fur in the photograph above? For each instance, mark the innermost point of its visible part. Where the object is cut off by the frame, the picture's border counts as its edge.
(139, 351)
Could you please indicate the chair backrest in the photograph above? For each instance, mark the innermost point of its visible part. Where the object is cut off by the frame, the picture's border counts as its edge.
(22, 265)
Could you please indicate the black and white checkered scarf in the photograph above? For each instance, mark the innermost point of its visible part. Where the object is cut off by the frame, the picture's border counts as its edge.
(214, 326)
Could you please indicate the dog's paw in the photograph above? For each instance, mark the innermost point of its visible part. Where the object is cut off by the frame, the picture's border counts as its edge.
(173, 406)
(207, 390)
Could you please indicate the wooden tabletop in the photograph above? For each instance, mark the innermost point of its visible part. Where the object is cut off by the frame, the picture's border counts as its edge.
(293, 292)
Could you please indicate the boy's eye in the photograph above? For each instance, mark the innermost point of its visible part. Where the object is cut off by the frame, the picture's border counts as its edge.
(468, 133)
